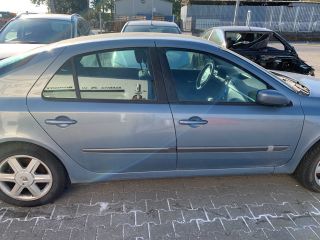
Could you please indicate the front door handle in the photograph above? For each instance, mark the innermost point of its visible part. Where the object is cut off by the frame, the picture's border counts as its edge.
(61, 121)
(193, 121)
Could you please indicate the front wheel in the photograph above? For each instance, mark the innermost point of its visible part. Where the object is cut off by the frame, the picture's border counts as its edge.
(308, 171)
(29, 175)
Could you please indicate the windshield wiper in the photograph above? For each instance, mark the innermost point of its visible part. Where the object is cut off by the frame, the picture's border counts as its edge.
(296, 85)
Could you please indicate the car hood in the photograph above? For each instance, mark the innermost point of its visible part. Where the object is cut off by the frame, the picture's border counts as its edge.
(312, 83)
(10, 49)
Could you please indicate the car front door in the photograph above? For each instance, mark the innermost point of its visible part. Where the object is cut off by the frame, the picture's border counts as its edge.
(218, 122)
(107, 110)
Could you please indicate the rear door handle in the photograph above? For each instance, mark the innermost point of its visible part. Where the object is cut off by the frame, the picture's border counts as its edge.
(193, 121)
(61, 121)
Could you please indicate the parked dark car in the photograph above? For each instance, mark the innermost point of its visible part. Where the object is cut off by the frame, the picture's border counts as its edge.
(29, 31)
(263, 46)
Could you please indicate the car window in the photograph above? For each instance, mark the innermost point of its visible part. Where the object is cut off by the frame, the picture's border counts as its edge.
(110, 75)
(210, 79)
(180, 59)
(146, 28)
(274, 43)
(247, 40)
(41, 31)
(62, 84)
(117, 75)
(216, 37)
(116, 59)
(206, 35)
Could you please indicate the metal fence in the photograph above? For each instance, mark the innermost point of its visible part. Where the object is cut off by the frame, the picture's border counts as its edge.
(291, 18)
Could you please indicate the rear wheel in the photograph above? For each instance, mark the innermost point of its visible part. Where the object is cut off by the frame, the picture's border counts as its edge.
(29, 175)
(308, 171)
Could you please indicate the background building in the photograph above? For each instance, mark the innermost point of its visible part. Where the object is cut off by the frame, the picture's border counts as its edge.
(282, 16)
(145, 8)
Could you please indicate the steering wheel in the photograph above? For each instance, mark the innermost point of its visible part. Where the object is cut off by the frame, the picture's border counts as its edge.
(204, 76)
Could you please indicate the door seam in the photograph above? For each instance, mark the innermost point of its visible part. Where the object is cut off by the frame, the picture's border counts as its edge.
(169, 104)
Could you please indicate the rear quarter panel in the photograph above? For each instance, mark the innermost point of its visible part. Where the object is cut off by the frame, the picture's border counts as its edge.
(17, 124)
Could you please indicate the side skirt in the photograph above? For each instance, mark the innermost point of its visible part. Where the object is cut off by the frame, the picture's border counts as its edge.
(103, 177)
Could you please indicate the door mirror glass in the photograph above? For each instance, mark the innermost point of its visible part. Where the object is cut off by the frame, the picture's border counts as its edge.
(270, 97)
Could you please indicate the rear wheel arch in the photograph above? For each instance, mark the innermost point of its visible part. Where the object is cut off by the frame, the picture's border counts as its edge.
(25, 144)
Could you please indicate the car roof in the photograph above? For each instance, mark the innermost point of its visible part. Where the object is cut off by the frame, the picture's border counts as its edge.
(242, 29)
(151, 23)
(47, 16)
(128, 36)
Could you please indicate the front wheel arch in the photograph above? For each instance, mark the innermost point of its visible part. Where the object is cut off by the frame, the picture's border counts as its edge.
(306, 171)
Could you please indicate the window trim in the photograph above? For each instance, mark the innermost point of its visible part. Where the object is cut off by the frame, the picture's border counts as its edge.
(159, 88)
(170, 83)
(53, 75)
(75, 78)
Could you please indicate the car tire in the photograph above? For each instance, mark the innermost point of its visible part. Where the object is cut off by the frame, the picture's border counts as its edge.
(30, 175)
(306, 171)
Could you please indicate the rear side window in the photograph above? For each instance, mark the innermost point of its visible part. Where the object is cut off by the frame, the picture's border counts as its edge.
(62, 84)
(106, 75)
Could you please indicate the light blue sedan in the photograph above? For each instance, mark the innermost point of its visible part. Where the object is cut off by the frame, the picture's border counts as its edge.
(122, 106)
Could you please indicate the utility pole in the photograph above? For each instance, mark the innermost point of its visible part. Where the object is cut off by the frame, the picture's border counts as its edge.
(100, 22)
(248, 18)
(151, 9)
(236, 12)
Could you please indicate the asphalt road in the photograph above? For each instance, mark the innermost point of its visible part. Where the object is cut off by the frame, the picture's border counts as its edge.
(234, 207)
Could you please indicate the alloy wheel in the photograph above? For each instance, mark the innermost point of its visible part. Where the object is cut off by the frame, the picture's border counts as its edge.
(25, 178)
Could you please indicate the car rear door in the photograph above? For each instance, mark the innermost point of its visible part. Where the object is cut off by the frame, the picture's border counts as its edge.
(107, 109)
(220, 125)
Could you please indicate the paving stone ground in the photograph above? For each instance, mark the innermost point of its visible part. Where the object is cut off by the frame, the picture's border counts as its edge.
(216, 208)
(235, 207)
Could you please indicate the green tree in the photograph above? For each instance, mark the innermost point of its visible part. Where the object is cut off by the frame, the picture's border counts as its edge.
(176, 8)
(105, 6)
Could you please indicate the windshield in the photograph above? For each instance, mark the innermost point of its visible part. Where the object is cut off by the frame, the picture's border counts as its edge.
(146, 28)
(292, 84)
(38, 31)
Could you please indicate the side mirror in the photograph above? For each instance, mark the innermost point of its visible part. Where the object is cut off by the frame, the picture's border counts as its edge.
(270, 97)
